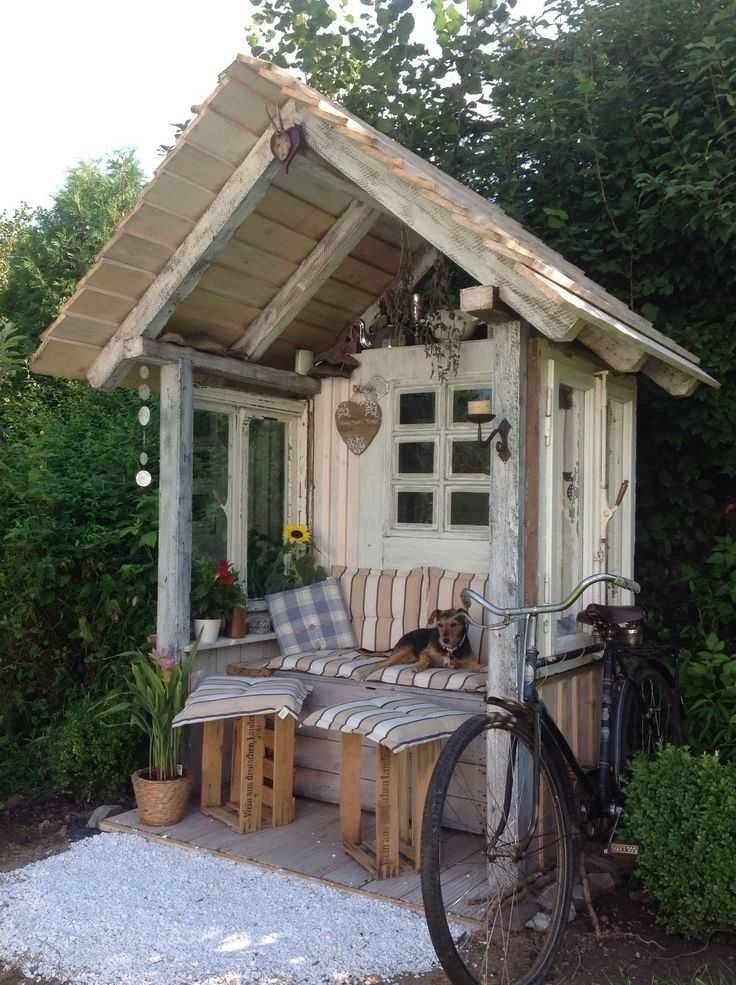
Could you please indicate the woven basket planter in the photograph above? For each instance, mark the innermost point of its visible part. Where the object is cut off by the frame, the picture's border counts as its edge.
(161, 802)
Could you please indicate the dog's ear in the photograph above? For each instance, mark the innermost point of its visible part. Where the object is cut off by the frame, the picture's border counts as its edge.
(433, 617)
(462, 614)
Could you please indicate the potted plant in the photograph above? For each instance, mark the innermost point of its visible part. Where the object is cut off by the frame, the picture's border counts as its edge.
(236, 622)
(156, 693)
(215, 592)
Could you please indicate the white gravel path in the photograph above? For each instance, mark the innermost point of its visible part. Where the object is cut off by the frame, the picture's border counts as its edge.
(118, 910)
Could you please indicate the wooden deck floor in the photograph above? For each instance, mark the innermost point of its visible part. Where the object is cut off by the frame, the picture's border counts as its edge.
(310, 848)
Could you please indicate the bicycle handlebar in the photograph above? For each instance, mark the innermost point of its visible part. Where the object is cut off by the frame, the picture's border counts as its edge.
(468, 595)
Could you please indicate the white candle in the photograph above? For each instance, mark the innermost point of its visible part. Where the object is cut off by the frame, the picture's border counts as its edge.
(479, 407)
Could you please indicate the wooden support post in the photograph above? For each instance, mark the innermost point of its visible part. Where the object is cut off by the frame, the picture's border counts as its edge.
(387, 814)
(175, 507)
(350, 788)
(213, 734)
(405, 767)
(284, 733)
(424, 758)
(237, 752)
(250, 812)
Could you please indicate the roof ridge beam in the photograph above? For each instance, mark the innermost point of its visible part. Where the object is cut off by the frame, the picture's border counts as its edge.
(239, 196)
(337, 243)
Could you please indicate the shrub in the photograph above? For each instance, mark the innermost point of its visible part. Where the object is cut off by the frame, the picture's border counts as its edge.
(681, 811)
(91, 758)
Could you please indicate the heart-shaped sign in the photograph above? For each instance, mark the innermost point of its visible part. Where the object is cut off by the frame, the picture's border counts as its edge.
(358, 424)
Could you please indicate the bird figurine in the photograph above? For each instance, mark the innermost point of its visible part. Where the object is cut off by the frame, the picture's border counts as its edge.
(339, 357)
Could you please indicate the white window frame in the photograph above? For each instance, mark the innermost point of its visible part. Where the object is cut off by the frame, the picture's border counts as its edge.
(442, 482)
(240, 409)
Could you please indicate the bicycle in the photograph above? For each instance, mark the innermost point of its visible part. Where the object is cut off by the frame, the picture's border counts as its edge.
(531, 801)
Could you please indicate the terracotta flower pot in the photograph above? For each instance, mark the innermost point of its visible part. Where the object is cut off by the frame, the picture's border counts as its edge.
(161, 802)
(237, 625)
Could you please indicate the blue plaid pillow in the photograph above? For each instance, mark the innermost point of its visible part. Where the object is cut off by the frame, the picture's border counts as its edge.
(311, 618)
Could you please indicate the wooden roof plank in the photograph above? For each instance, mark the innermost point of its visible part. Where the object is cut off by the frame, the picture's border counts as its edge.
(239, 196)
(304, 283)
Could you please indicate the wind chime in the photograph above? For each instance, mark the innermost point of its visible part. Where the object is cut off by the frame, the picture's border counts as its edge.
(143, 476)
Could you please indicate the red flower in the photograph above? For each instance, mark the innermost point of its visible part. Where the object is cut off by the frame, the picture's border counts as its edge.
(225, 574)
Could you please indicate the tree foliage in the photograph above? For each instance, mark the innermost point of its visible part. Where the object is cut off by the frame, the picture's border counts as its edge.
(609, 129)
(77, 538)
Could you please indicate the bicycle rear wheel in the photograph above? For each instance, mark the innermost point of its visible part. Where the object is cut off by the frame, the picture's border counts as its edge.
(477, 863)
(647, 712)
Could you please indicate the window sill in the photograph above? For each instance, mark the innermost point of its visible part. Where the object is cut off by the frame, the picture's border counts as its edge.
(223, 642)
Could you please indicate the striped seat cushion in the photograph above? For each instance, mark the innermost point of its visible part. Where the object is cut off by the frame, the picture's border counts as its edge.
(436, 678)
(397, 723)
(442, 590)
(234, 697)
(384, 603)
(326, 663)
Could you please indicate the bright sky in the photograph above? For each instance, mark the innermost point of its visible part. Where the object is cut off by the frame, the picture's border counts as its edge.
(81, 78)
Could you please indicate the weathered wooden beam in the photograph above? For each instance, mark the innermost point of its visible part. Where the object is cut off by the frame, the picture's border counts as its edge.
(175, 507)
(250, 375)
(307, 279)
(480, 301)
(238, 197)
(675, 382)
(617, 352)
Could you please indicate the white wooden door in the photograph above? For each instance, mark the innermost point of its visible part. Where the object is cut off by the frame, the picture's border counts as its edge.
(421, 494)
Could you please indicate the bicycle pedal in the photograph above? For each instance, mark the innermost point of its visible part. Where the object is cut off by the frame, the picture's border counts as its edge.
(622, 849)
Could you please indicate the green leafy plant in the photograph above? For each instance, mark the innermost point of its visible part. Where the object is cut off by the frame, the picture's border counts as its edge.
(294, 563)
(681, 811)
(89, 758)
(156, 693)
(708, 686)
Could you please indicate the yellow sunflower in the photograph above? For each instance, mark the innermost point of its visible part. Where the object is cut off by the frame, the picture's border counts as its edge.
(297, 533)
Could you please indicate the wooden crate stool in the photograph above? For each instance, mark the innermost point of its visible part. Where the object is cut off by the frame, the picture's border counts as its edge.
(402, 780)
(261, 790)
(407, 735)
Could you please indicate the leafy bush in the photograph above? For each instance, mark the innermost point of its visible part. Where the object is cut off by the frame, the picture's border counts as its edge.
(90, 757)
(681, 811)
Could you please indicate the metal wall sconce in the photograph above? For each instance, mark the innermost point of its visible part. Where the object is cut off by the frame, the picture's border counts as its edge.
(484, 417)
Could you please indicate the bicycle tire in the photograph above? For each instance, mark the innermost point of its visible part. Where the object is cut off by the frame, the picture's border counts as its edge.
(464, 968)
(637, 700)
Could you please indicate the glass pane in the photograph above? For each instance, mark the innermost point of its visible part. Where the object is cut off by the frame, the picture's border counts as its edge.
(209, 485)
(417, 408)
(461, 398)
(469, 509)
(416, 457)
(470, 457)
(571, 433)
(266, 498)
(415, 507)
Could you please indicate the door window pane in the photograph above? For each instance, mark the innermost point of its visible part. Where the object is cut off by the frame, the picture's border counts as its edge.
(571, 434)
(468, 509)
(417, 408)
(266, 498)
(415, 507)
(210, 484)
(471, 458)
(461, 398)
(416, 457)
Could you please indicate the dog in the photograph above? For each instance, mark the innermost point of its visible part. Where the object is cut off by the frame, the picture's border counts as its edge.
(444, 643)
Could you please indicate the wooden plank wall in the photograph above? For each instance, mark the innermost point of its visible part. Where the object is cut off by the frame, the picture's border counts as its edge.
(573, 701)
(332, 509)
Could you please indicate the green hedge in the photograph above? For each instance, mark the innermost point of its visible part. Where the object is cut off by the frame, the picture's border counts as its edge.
(681, 811)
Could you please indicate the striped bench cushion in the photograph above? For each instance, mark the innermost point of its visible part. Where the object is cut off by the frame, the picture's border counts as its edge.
(234, 697)
(326, 663)
(397, 723)
(384, 603)
(442, 590)
(436, 678)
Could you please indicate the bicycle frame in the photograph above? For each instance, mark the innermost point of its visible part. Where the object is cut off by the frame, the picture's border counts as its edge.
(530, 701)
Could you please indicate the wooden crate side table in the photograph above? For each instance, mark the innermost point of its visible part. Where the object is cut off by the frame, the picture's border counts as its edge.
(261, 792)
(402, 780)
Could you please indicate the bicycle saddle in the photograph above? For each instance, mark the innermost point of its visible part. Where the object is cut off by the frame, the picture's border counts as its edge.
(612, 615)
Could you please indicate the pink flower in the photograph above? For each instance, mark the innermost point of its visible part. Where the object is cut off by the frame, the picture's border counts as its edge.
(165, 661)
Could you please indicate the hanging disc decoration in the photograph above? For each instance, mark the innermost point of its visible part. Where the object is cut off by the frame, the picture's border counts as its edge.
(143, 477)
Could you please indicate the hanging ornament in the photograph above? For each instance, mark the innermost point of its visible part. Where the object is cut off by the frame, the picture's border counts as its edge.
(143, 477)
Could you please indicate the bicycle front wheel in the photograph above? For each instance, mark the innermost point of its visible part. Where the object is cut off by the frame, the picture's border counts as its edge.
(488, 855)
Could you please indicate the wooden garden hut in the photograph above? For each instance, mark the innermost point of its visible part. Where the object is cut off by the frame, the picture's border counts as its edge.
(268, 234)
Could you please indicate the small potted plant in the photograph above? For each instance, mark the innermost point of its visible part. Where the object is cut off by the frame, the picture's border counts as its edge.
(156, 693)
(236, 622)
(215, 591)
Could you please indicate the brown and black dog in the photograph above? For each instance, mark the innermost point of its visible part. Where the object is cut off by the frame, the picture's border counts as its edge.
(443, 644)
